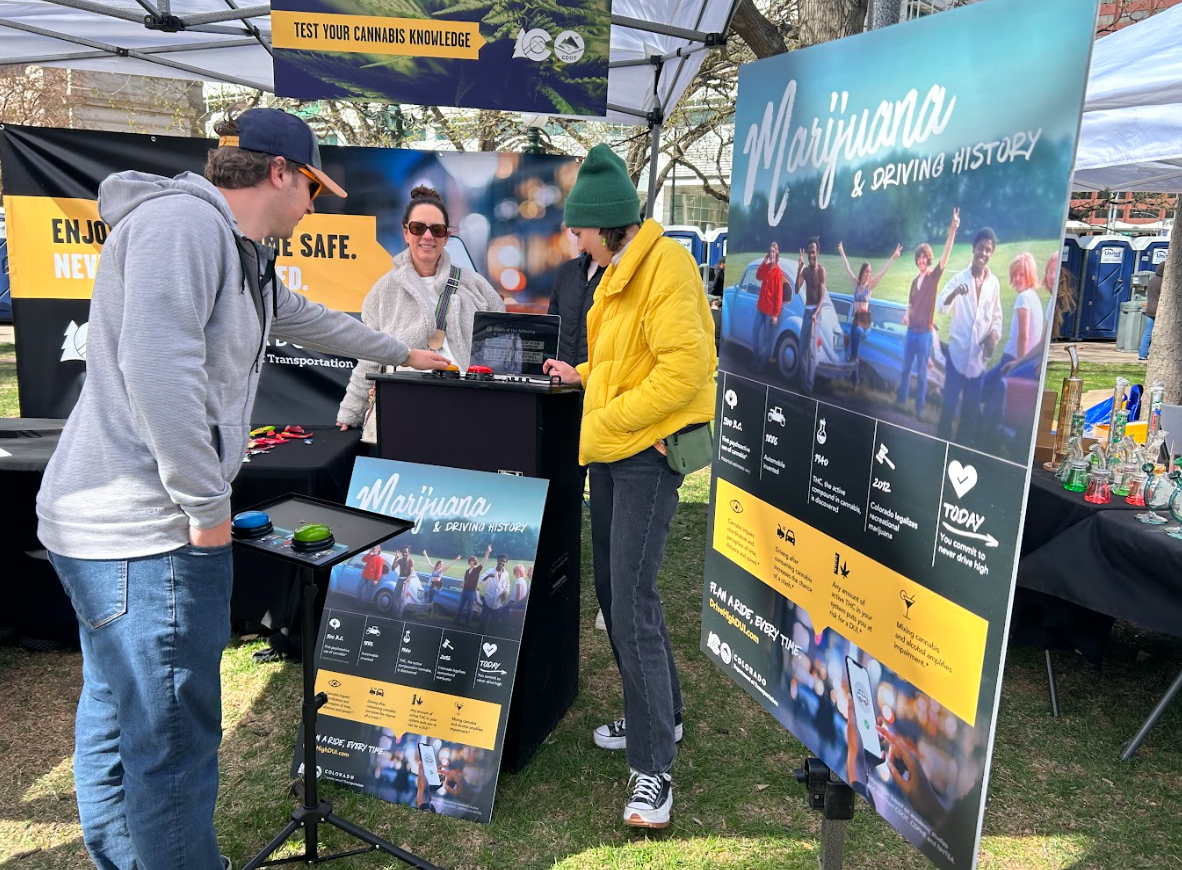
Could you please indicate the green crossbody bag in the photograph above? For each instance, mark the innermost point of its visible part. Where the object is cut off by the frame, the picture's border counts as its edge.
(690, 448)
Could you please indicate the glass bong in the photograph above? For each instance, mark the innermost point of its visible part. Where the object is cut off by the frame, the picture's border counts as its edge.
(1108, 456)
(1157, 494)
(1099, 488)
(1074, 471)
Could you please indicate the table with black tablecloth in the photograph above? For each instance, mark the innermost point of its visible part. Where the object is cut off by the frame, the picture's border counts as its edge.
(262, 593)
(1083, 566)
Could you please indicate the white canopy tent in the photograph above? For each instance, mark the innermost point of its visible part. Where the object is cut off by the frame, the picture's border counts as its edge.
(656, 45)
(1131, 133)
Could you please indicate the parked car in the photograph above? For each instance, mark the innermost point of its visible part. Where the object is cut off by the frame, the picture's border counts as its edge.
(880, 353)
(346, 580)
(738, 327)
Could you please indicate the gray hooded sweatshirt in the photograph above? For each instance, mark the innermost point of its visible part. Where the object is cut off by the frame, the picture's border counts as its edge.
(176, 342)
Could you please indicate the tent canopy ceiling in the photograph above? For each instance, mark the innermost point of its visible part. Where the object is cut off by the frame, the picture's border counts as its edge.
(1131, 133)
(111, 36)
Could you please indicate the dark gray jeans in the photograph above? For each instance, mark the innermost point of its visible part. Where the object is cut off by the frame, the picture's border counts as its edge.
(632, 504)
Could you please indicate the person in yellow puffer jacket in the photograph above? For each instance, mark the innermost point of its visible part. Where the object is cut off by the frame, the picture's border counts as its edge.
(650, 373)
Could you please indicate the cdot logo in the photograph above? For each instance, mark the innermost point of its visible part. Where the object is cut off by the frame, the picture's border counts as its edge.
(74, 344)
(569, 46)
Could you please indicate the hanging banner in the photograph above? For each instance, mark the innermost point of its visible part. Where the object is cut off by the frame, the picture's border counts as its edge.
(506, 208)
(512, 56)
(894, 230)
(418, 643)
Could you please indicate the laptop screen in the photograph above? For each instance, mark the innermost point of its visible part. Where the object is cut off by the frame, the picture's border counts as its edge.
(514, 344)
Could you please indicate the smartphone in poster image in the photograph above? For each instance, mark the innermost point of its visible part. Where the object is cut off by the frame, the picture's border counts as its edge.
(977, 530)
(865, 717)
(840, 477)
(904, 500)
(430, 765)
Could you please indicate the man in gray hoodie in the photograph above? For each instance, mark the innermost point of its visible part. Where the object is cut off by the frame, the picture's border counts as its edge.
(135, 504)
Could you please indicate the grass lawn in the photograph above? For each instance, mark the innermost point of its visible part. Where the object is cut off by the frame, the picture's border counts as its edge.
(9, 404)
(1059, 797)
(1096, 376)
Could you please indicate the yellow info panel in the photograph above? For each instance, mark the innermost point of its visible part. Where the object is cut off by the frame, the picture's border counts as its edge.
(931, 642)
(403, 709)
(374, 34)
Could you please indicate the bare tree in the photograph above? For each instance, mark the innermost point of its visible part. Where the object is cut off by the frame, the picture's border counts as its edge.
(1165, 352)
(826, 20)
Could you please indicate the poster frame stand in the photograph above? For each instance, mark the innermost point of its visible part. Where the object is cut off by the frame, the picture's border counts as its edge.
(834, 799)
(313, 812)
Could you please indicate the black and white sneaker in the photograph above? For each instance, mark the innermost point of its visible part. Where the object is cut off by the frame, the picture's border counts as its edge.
(651, 800)
(613, 735)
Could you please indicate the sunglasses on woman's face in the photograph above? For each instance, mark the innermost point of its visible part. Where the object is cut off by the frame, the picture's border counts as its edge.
(417, 228)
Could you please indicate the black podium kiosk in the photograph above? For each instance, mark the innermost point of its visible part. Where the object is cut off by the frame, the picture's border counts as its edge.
(514, 427)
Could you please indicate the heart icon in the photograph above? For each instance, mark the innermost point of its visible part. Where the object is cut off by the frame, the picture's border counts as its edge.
(490, 648)
(963, 477)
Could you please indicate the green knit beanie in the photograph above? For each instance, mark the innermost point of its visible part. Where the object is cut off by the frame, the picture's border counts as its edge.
(603, 196)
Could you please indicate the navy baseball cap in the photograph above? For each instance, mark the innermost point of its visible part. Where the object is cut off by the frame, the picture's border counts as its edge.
(274, 131)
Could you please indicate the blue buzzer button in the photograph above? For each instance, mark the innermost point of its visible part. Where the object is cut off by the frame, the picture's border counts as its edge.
(311, 538)
(249, 525)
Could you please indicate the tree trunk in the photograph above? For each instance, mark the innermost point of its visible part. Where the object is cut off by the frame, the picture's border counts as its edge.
(826, 20)
(761, 35)
(1165, 350)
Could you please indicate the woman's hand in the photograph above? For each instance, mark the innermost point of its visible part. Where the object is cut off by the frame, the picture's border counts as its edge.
(566, 373)
(427, 360)
(342, 426)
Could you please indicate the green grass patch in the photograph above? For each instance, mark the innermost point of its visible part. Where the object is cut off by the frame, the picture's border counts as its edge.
(9, 402)
(1059, 797)
(1096, 376)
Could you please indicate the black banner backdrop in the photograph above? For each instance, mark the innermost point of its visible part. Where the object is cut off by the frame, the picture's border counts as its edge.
(507, 207)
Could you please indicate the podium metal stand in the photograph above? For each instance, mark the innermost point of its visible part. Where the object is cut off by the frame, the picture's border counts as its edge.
(354, 531)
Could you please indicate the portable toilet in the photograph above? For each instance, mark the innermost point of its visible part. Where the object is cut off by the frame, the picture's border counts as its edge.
(691, 238)
(1106, 282)
(1071, 261)
(1149, 251)
(715, 246)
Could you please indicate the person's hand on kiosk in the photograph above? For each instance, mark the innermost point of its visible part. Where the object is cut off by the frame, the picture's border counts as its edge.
(566, 373)
(427, 360)
(216, 536)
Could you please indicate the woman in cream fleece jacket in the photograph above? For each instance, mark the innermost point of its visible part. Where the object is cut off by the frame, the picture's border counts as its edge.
(402, 302)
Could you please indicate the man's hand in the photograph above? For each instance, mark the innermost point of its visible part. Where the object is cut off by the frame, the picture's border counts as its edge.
(218, 536)
(956, 218)
(426, 360)
(566, 373)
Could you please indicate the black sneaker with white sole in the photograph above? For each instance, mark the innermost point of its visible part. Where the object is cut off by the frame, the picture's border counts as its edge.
(651, 800)
(613, 735)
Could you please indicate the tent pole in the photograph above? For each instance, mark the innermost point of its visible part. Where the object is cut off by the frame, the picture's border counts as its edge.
(668, 30)
(654, 132)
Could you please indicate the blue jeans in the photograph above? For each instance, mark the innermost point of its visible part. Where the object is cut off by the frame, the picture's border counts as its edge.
(761, 345)
(467, 599)
(857, 333)
(917, 350)
(967, 393)
(806, 334)
(150, 715)
(1146, 338)
(632, 504)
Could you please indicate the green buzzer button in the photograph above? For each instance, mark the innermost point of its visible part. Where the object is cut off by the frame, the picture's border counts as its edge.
(311, 537)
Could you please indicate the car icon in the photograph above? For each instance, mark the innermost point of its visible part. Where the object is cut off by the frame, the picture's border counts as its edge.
(379, 692)
(374, 630)
(776, 415)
